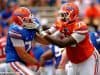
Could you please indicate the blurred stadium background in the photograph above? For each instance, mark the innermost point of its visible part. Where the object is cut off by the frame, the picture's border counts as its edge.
(46, 10)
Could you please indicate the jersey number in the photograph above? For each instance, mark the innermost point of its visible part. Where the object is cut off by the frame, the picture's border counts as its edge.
(28, 45)
(57, 52)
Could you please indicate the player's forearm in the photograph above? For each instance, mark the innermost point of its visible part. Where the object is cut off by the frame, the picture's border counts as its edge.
(46, 56)
(41, 40)
(29, 59)
(25, 56)
(56, 41)
(67, 41)
(64, 60)
(43, 59)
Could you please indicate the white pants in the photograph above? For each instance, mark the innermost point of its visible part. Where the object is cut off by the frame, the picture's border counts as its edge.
(46, 70)
(49, 70)
(15, 68)
(68, 68)
(89, 67)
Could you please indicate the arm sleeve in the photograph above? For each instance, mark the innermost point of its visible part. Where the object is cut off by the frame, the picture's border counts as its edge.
(15, 34)
(80, 33)
(16, 38)
(78, 37)
(17, 42)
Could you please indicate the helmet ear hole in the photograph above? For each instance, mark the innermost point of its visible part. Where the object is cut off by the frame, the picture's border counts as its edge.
(17, 20)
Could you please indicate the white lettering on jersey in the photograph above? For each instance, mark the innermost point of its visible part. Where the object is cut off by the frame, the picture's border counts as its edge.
(28, 43)
(58, 51)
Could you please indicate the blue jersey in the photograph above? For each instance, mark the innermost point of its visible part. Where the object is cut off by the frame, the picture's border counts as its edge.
(57, 53)
(38, 50)
(17, 32)
(95, 38)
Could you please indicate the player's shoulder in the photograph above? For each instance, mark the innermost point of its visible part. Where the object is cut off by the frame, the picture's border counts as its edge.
(81, 27)
(15, 27)
(80, 24)
(15, 31)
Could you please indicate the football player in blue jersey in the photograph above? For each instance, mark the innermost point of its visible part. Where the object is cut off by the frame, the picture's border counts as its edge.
(59, 55)
(95, 38)
(21, 33)
(38, 50)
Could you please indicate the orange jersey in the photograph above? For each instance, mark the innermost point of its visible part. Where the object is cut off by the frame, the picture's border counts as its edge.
(83, 49)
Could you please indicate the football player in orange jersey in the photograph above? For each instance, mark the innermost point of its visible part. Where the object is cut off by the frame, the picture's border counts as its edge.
(79, 49)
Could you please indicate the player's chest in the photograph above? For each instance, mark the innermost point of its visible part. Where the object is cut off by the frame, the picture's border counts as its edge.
(28, 35)
(68, 30)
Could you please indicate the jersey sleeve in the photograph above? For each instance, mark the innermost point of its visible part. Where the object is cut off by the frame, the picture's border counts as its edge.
(17, 42)
(16, 38)
(14, 34)
(79, 34)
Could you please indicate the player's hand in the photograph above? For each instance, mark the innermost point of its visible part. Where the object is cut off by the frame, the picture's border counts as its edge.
(36, 22)
(34, 67)
(42, 32)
